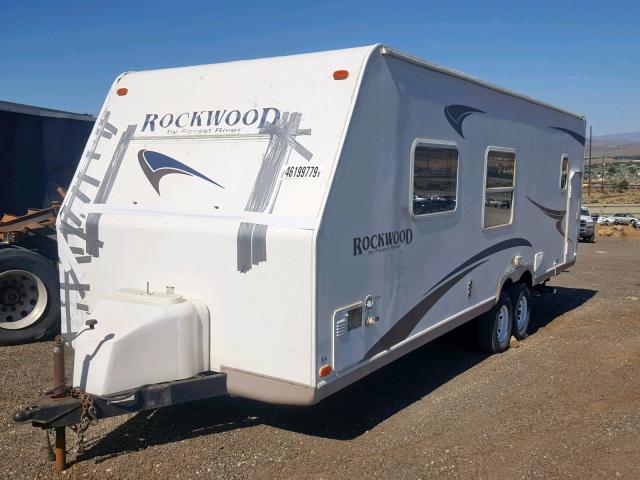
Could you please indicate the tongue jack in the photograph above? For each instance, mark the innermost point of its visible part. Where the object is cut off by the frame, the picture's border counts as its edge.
(59, 381)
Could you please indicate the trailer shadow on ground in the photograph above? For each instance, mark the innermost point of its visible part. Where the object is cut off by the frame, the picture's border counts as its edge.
(344, 416)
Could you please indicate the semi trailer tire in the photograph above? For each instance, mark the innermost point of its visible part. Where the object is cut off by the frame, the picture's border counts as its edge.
(494, 327)
(29, 297)
(521, 301)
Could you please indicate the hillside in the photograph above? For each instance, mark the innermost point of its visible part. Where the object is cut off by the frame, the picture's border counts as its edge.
(618, 144)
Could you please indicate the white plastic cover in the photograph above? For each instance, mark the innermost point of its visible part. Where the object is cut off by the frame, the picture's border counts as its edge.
(142, 339)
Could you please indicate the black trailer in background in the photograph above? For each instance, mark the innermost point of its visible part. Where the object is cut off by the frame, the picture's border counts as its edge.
(39, 151)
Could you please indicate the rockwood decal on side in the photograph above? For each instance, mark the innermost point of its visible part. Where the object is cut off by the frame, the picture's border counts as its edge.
(381, 242)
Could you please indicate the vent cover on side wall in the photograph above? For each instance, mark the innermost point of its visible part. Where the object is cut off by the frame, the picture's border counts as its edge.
(341, 327)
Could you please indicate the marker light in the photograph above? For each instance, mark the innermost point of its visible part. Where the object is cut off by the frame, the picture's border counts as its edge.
(340, 74)
(325, 370)
(122, 91)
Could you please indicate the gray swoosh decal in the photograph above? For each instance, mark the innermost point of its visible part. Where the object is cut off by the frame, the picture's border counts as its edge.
(557, 215)
(512, 242)
(455, 115)
(571, 133)
(403, 327)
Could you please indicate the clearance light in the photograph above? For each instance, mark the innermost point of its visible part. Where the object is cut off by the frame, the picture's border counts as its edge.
(122, 91)
(325, 370)
(340, 74)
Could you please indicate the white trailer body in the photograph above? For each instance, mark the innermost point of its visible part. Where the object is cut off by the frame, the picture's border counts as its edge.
(298, 222)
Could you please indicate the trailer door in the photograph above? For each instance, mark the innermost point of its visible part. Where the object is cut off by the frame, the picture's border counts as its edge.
(571, 218)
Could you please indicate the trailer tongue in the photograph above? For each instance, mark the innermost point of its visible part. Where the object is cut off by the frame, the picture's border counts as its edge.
(52, 412)
(71, 407)
(143, 350)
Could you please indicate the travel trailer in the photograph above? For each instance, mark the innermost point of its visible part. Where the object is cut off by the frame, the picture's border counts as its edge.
(284, 227)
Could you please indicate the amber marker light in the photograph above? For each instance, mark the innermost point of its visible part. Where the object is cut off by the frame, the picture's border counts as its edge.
(340, 74)
(122, 91)
(325, 370)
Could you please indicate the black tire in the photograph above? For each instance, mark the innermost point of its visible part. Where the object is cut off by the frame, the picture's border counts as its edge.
(46, 319)
(520, 292)
(491, 338)
(592, 238)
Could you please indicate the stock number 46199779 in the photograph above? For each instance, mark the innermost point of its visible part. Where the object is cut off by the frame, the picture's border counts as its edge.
(302, 171)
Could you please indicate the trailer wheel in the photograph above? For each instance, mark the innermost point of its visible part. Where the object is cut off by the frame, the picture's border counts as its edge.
(29, 296)
(521, 301)
(494, 327)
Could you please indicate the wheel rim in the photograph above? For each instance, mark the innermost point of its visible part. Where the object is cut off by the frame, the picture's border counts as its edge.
(522, 314)
(503, 324)
(23, 299)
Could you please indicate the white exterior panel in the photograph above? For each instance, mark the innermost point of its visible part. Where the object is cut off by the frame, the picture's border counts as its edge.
(210, 180)
(281, 198)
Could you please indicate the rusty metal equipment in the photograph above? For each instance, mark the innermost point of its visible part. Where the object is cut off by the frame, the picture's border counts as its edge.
(59, 380)
(35, 220)
(35, 230)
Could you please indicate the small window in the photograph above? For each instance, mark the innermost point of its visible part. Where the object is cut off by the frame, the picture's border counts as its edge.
(435, 178)
(499, 188)
(564, 172)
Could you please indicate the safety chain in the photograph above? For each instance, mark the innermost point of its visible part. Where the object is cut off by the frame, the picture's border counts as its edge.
(88, 417)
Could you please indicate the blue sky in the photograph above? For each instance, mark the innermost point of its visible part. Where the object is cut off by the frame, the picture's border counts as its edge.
(584, 56)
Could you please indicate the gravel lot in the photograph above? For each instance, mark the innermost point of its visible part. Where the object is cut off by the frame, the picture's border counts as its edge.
(564, 404)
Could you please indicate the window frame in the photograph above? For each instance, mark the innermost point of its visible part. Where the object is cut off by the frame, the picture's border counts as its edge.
(495, 148)
(430, 142)
(566, 183)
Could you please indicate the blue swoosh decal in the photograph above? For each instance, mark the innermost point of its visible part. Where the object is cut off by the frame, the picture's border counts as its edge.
(403, 328)
(579, 138)
(156, 165)
(557, 215)
(455, 115)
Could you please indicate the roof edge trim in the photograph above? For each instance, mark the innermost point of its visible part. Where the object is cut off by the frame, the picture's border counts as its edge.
(469, 78)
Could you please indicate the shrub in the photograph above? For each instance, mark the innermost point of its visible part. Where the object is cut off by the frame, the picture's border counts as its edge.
(622, 186)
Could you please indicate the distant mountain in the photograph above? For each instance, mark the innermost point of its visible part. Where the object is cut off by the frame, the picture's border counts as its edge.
(616, 144)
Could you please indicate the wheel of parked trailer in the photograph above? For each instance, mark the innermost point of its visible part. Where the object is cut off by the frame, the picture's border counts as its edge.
(494, 327)
(521, 301)
(29, 296)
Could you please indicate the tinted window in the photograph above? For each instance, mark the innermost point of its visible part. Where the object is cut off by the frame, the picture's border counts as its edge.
(564, 172)
(500, 169)
(499, 188)
(435, 179)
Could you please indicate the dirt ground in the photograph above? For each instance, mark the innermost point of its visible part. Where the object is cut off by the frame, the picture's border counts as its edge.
(625, 232)
(610, 195)
(564, 404)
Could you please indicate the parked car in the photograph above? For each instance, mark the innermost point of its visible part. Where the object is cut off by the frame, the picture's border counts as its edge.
(602, 220)
(623, 219)
(587, 229)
